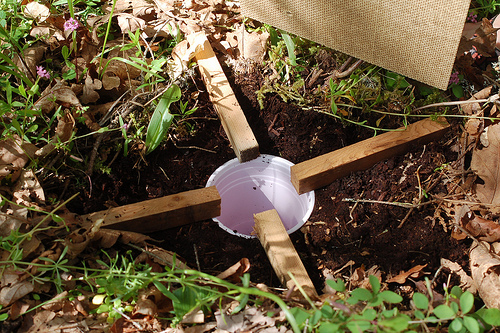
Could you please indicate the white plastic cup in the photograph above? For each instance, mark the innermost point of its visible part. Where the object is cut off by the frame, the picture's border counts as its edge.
(256, 186)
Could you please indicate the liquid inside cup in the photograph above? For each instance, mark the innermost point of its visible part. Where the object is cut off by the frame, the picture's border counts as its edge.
(256, 186)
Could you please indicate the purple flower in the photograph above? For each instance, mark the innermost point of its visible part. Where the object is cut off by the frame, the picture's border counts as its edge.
(472, 17)
(454, 79)
(42, 72)
(71, 25)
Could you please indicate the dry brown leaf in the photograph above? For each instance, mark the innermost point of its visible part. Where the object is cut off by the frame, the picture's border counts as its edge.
(14, 154)
(414, 272)
(27, 191)
(17, 309)
(41, 322)
(32, 57)
(119, 68)
(7, 224)
(251, 45)
(183, 52)
(90, 95)
(130, 23)
(474, 108)
(483, 229)
(235, 272)
(108, 237)
(486, 164)
(360, 276)
(143, 9)
(485, 269)
(36, 11)
(486, 39)
(60, 94)
(466, 282)
(145, 307)
(162, 257)
(56, 303)
(48, 34)
(12, 288)
(110, 81)
(64, 131)
(77, 241)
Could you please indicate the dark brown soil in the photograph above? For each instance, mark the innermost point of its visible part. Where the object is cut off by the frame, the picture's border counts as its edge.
(337, 231)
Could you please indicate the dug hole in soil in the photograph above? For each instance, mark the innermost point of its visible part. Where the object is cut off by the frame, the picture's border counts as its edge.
(337, 231)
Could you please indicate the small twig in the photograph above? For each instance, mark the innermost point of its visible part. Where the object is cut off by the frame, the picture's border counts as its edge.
(114, 124)
(190, 147)
(165, 262)
(341, 73)
(136, 324)
(273, 122)
(352, 210)
(399, 204)
(108, 114)
(196, 257)
(493, 99)
(420, 197)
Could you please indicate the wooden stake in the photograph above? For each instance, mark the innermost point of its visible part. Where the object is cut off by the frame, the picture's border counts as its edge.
(281, 252)
(324, 169)
(161, 213)
(230, 113)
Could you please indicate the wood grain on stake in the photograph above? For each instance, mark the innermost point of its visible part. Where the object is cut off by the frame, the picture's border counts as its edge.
(281, 252)
(230, 113)
(324, 169)
(161, 213)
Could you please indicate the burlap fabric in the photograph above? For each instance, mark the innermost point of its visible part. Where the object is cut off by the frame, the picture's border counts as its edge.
(416, 38)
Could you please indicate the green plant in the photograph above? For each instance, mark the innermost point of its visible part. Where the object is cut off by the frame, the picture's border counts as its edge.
(485, 8)
(363, 310)
(162, 118)
(395, 81)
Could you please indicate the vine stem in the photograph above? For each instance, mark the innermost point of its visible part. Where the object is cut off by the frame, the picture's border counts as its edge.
(492, 99)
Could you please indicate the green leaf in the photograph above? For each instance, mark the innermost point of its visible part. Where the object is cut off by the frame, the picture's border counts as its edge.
(395, 81)
(290, 47)
(466, 302)
(391, 297)
(375, 283)
(56, 218)
(398, 324)
(457, 90)
(327, 311)
(369, 314)
(456, 291)
(337, 284)
(456, 325)
(444, 312)
(389, 313)
(421, 301)
(161, 119)
(328, 327)
(471, 324)
(300, 315)
(243, 303)
(490, 316)
(4, 316)
(188, 300)
(333, 106)
(376, 301)
(164, 290)
(361, 294)
(419, 314)
(356, 326)
(454, 306)
(315, 318)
